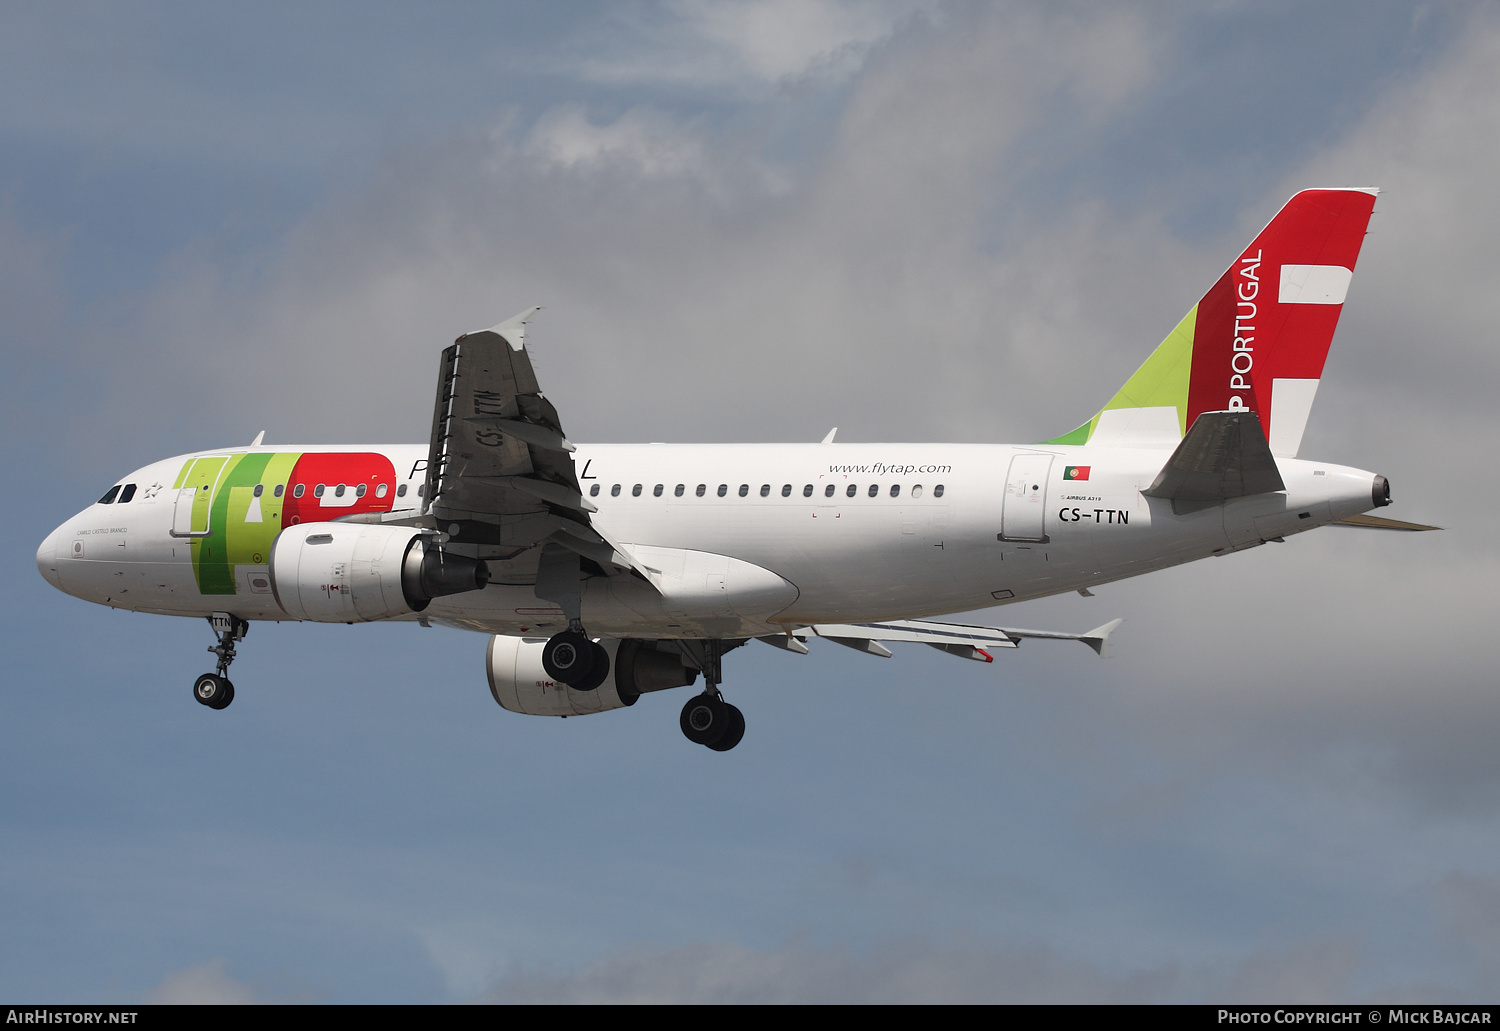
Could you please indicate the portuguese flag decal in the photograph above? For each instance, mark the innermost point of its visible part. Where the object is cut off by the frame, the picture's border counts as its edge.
(1076, 472)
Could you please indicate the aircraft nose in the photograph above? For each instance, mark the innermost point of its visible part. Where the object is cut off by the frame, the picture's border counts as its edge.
(46, 560)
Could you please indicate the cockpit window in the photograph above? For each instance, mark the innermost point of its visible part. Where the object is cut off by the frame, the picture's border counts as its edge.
(127, 493)
(109, 499)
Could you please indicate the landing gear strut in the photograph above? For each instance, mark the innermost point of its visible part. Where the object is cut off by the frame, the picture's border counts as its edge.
(214, 689)
(708, 719)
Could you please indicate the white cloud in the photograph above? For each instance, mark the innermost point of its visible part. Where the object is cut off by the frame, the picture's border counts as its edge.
(746, 45)
(203, 985)
(642, 141)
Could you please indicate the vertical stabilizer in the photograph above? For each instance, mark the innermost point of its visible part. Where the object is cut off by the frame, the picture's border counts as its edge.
(1257, 340)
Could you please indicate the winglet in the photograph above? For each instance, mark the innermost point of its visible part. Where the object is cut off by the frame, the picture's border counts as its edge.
(513, 329)
(258, 438)
(1098, 638)
(829, 439)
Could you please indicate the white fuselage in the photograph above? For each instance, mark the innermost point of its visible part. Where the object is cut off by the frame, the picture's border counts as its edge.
(780, 535)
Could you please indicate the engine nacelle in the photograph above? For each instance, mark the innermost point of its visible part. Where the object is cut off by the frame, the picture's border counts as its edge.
(519, 683)
(358, 572)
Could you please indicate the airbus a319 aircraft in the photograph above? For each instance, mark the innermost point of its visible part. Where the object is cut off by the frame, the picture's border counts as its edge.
(605, 572)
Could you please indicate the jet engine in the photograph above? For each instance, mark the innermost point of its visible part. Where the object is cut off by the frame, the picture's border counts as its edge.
(358, 572)
(520, 684)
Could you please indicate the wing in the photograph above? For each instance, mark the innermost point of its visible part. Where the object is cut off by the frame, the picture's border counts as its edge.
(969, 642)
(500, 474)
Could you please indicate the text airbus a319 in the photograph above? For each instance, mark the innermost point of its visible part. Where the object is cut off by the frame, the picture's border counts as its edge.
(606, 572)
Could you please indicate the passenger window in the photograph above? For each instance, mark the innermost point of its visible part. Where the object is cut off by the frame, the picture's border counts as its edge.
(257, 492)
(298, 490)
(656, 491)
(318, 491)
(853, 490)
(744, 489)
(680, 488)
(786, 490)
(895, 490)
(723, 489)
(916, 491)
(109, 497)
(874, 490)
(280, 490)
(338, 491)
(614, 491)
(421, 490)
(127, 493)
(635, 491)
(359, 491)
(381, 490)
(828, 491)
(807, 491)
(594, 491)
(765, 490)
(702, 489)
(401, 491)
(937, 491)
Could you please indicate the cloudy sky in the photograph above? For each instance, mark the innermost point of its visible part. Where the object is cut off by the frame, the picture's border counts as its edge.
(749, 221)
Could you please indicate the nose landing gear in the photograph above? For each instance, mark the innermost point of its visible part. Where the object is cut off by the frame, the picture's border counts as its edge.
(214, 689)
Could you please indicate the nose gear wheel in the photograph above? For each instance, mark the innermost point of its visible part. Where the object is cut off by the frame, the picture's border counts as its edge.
(214, 689)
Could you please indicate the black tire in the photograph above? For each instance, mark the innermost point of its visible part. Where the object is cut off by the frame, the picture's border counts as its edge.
(568, 657)
(213, 691)
(732, 733)
(598, 674)
(705, 720)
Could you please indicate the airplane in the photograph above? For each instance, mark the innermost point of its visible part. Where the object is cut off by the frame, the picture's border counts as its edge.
(605, 572)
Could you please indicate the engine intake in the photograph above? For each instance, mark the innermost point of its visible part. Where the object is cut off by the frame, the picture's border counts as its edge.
(358, 573)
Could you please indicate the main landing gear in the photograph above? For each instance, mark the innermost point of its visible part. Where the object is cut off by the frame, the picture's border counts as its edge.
(214, 689)
(708, 719)
(571, 658)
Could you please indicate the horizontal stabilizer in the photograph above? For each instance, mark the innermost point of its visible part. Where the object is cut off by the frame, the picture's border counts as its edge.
(1370, 522)
(1223, 456)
